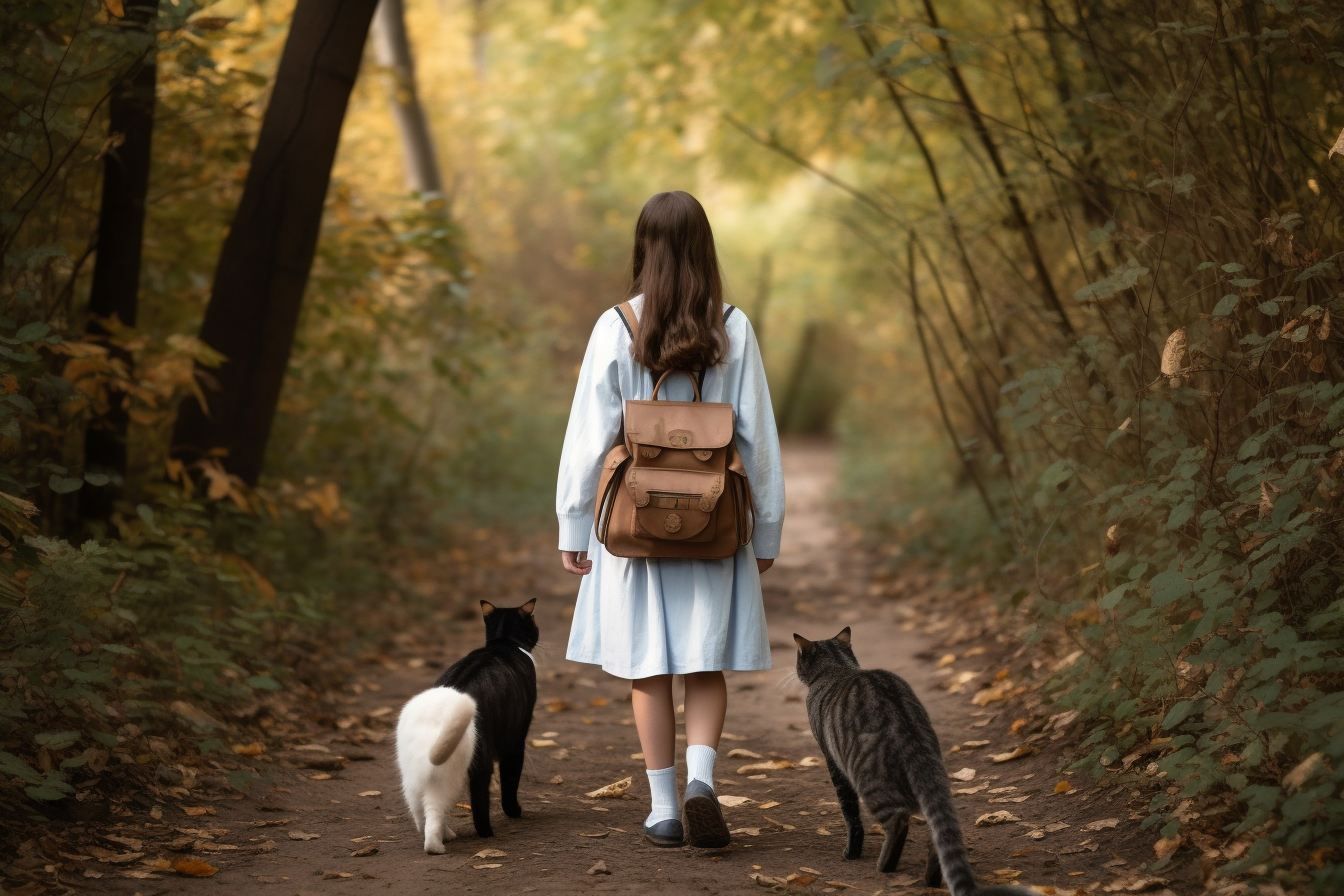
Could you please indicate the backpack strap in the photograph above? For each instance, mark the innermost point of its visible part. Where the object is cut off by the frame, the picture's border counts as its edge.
(631, 321)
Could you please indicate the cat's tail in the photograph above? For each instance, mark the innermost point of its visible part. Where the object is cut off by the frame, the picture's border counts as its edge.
(460, 717)
(929, 780)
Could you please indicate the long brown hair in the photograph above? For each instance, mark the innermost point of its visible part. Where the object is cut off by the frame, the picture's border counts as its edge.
(676, 268)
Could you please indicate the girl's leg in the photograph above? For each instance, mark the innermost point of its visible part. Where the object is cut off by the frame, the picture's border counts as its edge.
(706, 705)
(651, 699)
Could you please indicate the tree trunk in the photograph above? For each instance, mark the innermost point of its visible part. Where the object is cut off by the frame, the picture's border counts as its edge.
(264, 265)
(121, 226)
(393, 51)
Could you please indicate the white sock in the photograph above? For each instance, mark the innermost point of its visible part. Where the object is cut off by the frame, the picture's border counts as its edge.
(663, 787)
(700, 763)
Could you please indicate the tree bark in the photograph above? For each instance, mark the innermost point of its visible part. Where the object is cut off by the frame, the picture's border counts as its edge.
(264, 265)
(121, 226)
(393, 50)
(1010, 190)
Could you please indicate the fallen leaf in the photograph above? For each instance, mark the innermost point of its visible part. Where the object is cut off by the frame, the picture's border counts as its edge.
(597, 836)
(726, 736)
(300, 835)
(734, 801)
(1055, 826)
(1166, 846)
(966, 774)
(1063, 787)
(799, 879)
(975, 789)
(543, 742)
(823, 832)
(128, 842)
(740, 753)
(195, 811)
(115, 8)
(557, 780)
(252, 749)
(1104, 824)
(841, 884)
(812, 871)
(598, 701)
(636, 755)
(1338, 147)
(370, 793)
(611, 791)
(191, 867)
(768, 765)
(770, 805)
(121, 859)
(558, 705)
(1001, 690)
(975, 744)
(599, 868)
(1303, 771)
(1018, 753)
(811, 762)
(320, 776)
(487, 865)
(490, 854)
(1000, 817)
(750, 832)
(364, 852)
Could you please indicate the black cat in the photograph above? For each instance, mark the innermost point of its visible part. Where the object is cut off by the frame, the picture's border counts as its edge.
(502, 678)
(880, 745)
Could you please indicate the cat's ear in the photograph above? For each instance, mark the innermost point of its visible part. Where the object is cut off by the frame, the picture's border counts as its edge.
(843, 637)
(803, 643)
(527, 608)
(487, 608)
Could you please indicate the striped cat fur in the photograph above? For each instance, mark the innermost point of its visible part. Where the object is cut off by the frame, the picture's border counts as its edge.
(881, 747)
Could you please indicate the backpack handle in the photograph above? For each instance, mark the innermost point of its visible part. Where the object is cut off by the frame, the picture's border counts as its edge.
(694, 382)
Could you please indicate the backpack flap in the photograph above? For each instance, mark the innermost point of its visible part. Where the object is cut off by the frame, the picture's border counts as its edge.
(674, 504)
(678, 424)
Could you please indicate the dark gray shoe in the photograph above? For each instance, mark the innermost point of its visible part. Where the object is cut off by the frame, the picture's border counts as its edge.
(665, 833)
(705, 826)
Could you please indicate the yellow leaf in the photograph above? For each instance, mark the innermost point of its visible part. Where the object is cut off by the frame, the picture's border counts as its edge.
(114, 7)
(189, 866)
(1063, 787)
(252, 749)
(611, 791)
(1166, 846)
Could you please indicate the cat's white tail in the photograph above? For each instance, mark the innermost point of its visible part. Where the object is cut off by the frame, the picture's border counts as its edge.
(454, 728)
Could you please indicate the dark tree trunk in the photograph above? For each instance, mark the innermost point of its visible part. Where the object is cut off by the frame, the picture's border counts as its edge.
(121, 226)
(264, 265)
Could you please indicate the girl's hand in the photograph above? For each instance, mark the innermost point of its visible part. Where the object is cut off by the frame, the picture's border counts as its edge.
(763, 565)
(576, 562)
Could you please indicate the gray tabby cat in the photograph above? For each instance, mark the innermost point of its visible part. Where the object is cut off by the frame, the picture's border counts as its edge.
(880, 745)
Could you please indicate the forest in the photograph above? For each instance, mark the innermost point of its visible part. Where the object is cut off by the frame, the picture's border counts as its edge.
(295, 293)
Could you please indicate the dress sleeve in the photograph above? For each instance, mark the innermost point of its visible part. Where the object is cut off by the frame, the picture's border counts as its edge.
(758, 443)
(594, 429)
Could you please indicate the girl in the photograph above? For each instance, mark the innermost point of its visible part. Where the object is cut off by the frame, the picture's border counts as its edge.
(648, 620)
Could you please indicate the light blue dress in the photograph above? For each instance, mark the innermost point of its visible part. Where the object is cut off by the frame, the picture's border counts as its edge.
(638, 618)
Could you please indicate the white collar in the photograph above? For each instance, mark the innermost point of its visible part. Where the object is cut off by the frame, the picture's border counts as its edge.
(528, 655)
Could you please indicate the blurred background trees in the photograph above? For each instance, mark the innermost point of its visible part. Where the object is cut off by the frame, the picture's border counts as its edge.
(1091, 248)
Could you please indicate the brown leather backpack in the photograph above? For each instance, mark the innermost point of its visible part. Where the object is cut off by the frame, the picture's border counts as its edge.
(676, 486)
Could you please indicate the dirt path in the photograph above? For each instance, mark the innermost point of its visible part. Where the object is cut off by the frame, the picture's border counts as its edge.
(344, 830)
